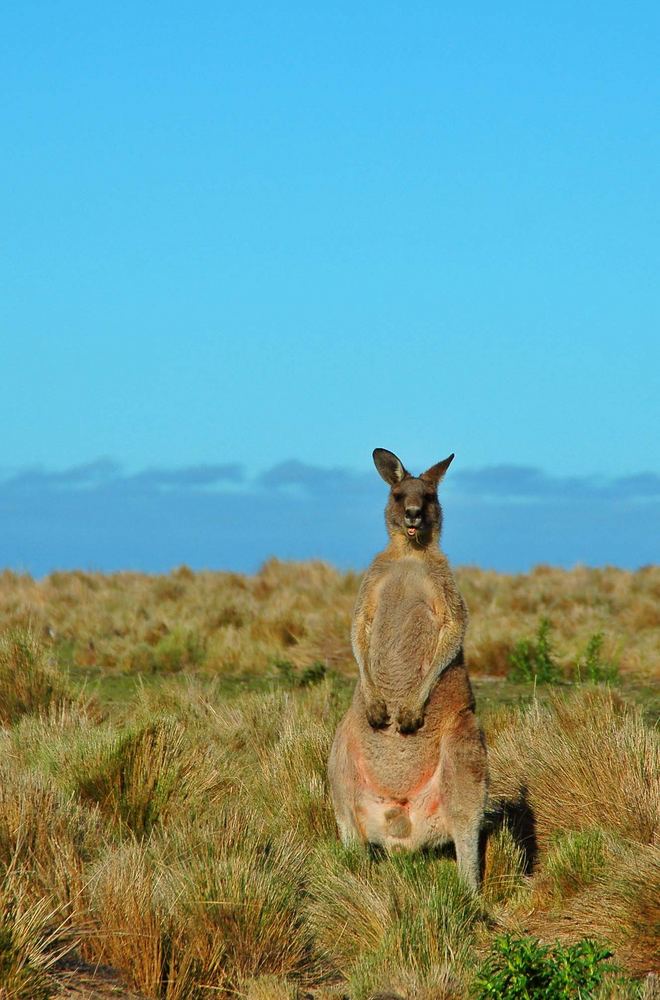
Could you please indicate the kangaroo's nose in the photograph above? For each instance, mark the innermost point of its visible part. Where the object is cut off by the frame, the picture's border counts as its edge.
(413, 515)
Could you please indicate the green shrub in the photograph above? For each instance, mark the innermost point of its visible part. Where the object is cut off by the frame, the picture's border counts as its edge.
(285, 672)
(289, 677)
(312, 674)
(592, 667)
(524, 969)
(533, 660)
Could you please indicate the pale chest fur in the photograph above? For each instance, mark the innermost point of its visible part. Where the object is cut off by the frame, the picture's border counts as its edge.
(409, 610)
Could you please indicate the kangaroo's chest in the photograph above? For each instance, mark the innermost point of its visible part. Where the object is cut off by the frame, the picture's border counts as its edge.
(400, 596)
(404, 633)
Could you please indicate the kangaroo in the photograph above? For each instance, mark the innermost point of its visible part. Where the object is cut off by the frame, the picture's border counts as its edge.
(407, 767)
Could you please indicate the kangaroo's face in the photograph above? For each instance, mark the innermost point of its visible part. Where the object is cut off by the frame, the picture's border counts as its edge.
(413, 510)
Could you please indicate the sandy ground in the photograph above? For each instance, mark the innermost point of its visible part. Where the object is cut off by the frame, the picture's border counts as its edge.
(79, 981)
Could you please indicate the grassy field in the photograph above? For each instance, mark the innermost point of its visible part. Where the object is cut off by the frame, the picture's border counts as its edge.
(164, 816)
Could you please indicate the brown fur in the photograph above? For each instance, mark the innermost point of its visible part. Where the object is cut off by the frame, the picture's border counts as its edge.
(408, 764)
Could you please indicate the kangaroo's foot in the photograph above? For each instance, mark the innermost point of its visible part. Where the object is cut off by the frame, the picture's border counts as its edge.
(409, 718)
(377, 715)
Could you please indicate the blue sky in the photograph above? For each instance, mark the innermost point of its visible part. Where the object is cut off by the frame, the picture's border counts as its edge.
(252, 234)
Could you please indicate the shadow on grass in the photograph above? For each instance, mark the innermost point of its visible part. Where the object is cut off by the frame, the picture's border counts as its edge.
(518, 816)
(441, 852)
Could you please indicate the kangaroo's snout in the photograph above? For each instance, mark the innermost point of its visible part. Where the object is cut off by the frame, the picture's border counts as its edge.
(413, 516)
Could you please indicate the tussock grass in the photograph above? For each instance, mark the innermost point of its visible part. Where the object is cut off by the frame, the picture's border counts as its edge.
(619, 904)
(135, 775)
(196, 908)
(28, 683)
(588, 772)
(581, 762)
(403, 925)
(269, 988)
(297, 767)
(184, 835)
(505, 867)
(48, 838)
(29, 943)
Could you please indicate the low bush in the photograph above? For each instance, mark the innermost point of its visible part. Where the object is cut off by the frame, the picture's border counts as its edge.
(291, 677)
(533, 660)
(592, 667)
(525, 969)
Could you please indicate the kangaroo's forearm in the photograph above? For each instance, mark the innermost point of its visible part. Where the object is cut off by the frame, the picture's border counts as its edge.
(449, 643)
(360, 643)
(376, 708)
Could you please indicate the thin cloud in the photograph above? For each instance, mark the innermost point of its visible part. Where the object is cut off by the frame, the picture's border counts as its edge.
(102, 470)
(313, 478)
(517, 482)
(499, 482)
(645, 484)
(106, 474)
(190, 477)
(504, 517)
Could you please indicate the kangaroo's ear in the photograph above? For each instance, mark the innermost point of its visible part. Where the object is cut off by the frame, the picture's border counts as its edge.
(436, 472)
(389, 466)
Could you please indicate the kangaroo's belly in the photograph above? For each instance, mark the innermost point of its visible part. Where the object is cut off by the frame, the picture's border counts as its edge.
(394, 763)
(398, 799)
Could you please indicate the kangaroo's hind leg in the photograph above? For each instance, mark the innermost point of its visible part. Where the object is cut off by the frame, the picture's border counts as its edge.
(464, 785)
(342, 777)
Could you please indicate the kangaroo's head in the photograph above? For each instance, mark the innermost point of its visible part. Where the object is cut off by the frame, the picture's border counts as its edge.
(413, 511)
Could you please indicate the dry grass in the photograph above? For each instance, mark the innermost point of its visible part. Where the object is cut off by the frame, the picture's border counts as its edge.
(28, 680)
(400, 924)
(581, 763)
(200, 906)
(32, 940)
(229, 624)
(184, 836)
(584, 771)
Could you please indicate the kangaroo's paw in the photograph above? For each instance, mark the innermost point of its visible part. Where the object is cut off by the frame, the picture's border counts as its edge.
(409, 718)
(377, 715)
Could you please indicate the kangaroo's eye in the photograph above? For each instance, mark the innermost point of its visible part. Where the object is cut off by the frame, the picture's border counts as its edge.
(429, 496)
(397, 496)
